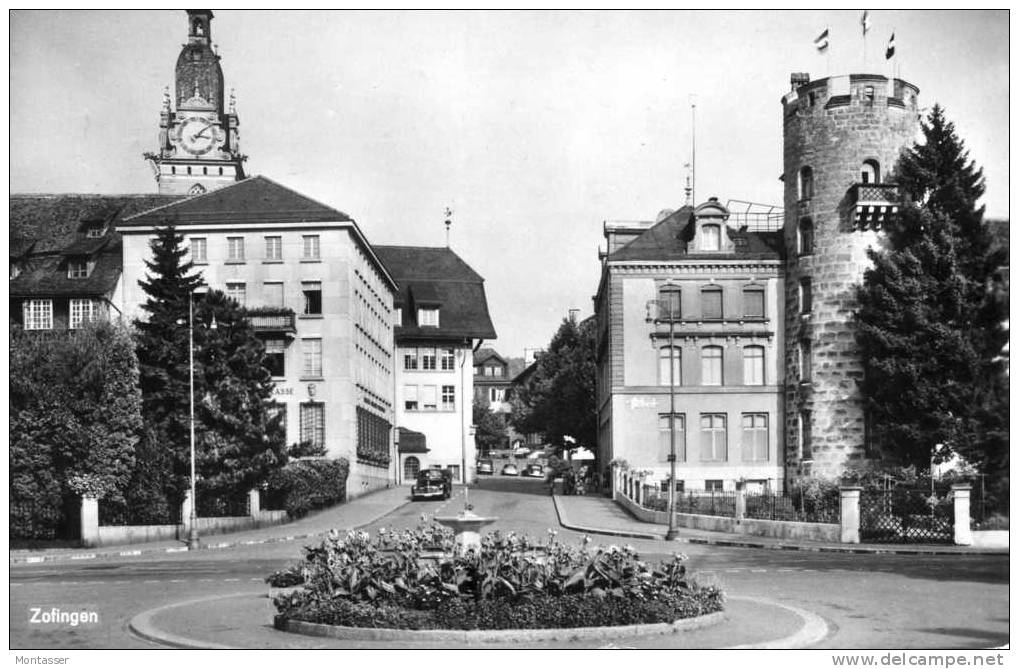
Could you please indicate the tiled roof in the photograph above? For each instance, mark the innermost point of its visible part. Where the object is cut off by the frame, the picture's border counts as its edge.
(463, 313)
(668, 240)
(253, 200)
(45, 230)
(483, 354)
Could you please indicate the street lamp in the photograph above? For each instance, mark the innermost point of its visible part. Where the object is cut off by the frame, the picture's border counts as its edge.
(657, 306)
(193, 521)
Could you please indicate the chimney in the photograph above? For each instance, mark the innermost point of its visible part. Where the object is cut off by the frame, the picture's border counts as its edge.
(797, 79)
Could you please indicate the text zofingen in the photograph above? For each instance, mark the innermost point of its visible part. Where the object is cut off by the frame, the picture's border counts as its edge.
(57, 617)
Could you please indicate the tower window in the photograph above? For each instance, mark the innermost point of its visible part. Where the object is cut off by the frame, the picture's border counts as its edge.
(870, 173)
(806, 183)
(806, 367)
(806, 237)
(806, 297)
(806, 452)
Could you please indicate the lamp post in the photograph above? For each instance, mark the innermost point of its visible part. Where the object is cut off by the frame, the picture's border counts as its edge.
(193, 520)
(672, 532)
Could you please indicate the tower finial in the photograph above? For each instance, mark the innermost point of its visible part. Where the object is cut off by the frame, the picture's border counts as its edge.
(449, 221)
(196, 88)
(233, 102)
(166, 98)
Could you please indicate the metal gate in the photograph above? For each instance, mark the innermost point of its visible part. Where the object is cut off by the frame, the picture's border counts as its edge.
(902, 514)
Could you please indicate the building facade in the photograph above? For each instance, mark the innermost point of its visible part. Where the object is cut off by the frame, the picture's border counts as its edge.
(689, 350)
(492, 379)
(441, 318)
(318, 296)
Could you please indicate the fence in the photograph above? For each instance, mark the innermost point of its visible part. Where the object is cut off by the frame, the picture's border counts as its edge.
(907, 514)
(160, 512)
(34, 520)
(795, 507)
(222, 505)
(702, 502)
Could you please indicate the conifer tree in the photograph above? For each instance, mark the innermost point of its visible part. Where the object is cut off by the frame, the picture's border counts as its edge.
(930, 329)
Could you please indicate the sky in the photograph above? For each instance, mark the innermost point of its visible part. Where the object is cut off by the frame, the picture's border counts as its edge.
(534, 127)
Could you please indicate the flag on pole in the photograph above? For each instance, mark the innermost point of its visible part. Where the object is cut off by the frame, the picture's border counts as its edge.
(822, 41)
(865, 21)
(890, 51)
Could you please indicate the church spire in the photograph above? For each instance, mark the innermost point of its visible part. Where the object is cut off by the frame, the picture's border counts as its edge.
(199, 26)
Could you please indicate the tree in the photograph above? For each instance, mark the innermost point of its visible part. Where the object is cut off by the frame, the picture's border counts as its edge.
(237, 442)
(929, 327)
(558, 400)
(490, 432)
(75, 413)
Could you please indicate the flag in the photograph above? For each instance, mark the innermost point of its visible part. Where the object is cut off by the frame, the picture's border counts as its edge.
(865, 21)
(890, 51)
(822, 41)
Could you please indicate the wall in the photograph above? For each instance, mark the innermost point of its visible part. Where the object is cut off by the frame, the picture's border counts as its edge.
(112, 535)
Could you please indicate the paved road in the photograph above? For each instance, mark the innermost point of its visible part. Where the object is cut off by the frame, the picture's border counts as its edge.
(870, 601)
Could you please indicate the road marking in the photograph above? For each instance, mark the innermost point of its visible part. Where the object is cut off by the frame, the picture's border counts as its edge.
(229, 580)
(759, 571)
(130, 553)
(177, 550)
(151, 581)
(35, 559)
(254, 578)
(205, 580)
(732, 571)
(785, 569)
(83, 556)
(809, 570)
(176, 580)
(17, 585)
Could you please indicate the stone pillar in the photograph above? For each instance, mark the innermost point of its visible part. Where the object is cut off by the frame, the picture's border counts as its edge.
(90, 521)
(185, 511)
(960, 495)
(254, 503)
(741, 500)
(849, 496)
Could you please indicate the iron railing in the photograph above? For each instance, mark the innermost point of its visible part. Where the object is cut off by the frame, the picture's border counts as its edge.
(213, 505)
(795, 507)
(272, 322)
(159, 512)
(907, 514)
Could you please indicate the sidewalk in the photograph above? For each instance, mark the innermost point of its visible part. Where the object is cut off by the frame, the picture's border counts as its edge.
(355, 513)
(595, 514)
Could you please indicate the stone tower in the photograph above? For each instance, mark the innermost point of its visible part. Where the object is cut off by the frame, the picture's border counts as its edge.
(198, 137)
(842, 136)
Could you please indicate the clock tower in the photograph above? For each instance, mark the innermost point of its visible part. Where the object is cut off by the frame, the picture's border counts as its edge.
(198, 137)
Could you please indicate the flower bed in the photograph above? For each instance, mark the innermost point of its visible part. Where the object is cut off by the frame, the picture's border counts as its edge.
(395, 580)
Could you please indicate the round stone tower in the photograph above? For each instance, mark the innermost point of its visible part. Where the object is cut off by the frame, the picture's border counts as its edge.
(842, 137)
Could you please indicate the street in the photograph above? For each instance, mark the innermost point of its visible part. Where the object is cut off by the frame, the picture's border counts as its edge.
(869, 601)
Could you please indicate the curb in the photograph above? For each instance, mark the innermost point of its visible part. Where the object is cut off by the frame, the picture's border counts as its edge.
(36, 559)
(812, 630)
(742, 543)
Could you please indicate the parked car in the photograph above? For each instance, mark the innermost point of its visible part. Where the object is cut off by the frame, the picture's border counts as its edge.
(521, 452)
(432, 484)
(510, 470)
(485, 467)
(534, 471)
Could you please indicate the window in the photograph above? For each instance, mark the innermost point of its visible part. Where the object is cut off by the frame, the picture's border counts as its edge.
(713, 485)
(448, 359)
(237, 292)
(312, 297)
(669, 303)
(411, 467)
(95, 231)
(410, 398)
(454, 471)
(398, 317)
(806, 299)
(753, 366)
(278, 410)
(711, 237)
(312, 352)
(274, 356)
(806, 183)
(754, 443)
(428, 398)
(410, 358)
(38, 314)
(448, 398)
(806, 366)
(77, 269)
(274, 248)
(712, 437)
(670, 376)
(81, 312)
(870, 173)
(711, 366)
(665, 437)
(496, 394)
(753, 302)
(313, 424)
(235, 249)
(428, 318)
(198, 250)
(806, 237)
(428, 358)
(273, 293)
(309, 247)
(711, 302)
(664, 485)
(806, 451)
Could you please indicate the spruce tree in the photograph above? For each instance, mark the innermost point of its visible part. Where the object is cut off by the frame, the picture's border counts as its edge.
(930, 329)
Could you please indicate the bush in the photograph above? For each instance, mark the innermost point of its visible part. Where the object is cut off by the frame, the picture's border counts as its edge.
(390, 581)
(307, 485)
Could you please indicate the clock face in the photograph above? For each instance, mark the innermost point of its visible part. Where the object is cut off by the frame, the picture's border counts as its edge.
(197, 136)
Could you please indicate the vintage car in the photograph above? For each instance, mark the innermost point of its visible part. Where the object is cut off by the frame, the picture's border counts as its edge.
(432, 484)
(534, 471)
(510, 470)
(485, 467)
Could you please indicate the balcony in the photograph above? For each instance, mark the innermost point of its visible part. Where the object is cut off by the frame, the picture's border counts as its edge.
(873, 204)
(272, 320)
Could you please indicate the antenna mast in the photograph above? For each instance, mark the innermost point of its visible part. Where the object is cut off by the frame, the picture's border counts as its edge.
(693, 148)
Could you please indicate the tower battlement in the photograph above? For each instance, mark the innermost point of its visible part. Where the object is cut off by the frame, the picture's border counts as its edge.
(870, 91)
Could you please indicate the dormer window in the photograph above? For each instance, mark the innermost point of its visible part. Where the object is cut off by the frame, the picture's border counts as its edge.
(77, 269)
(428, 318)
(398, 314)
(95, 231)
(711, 237)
